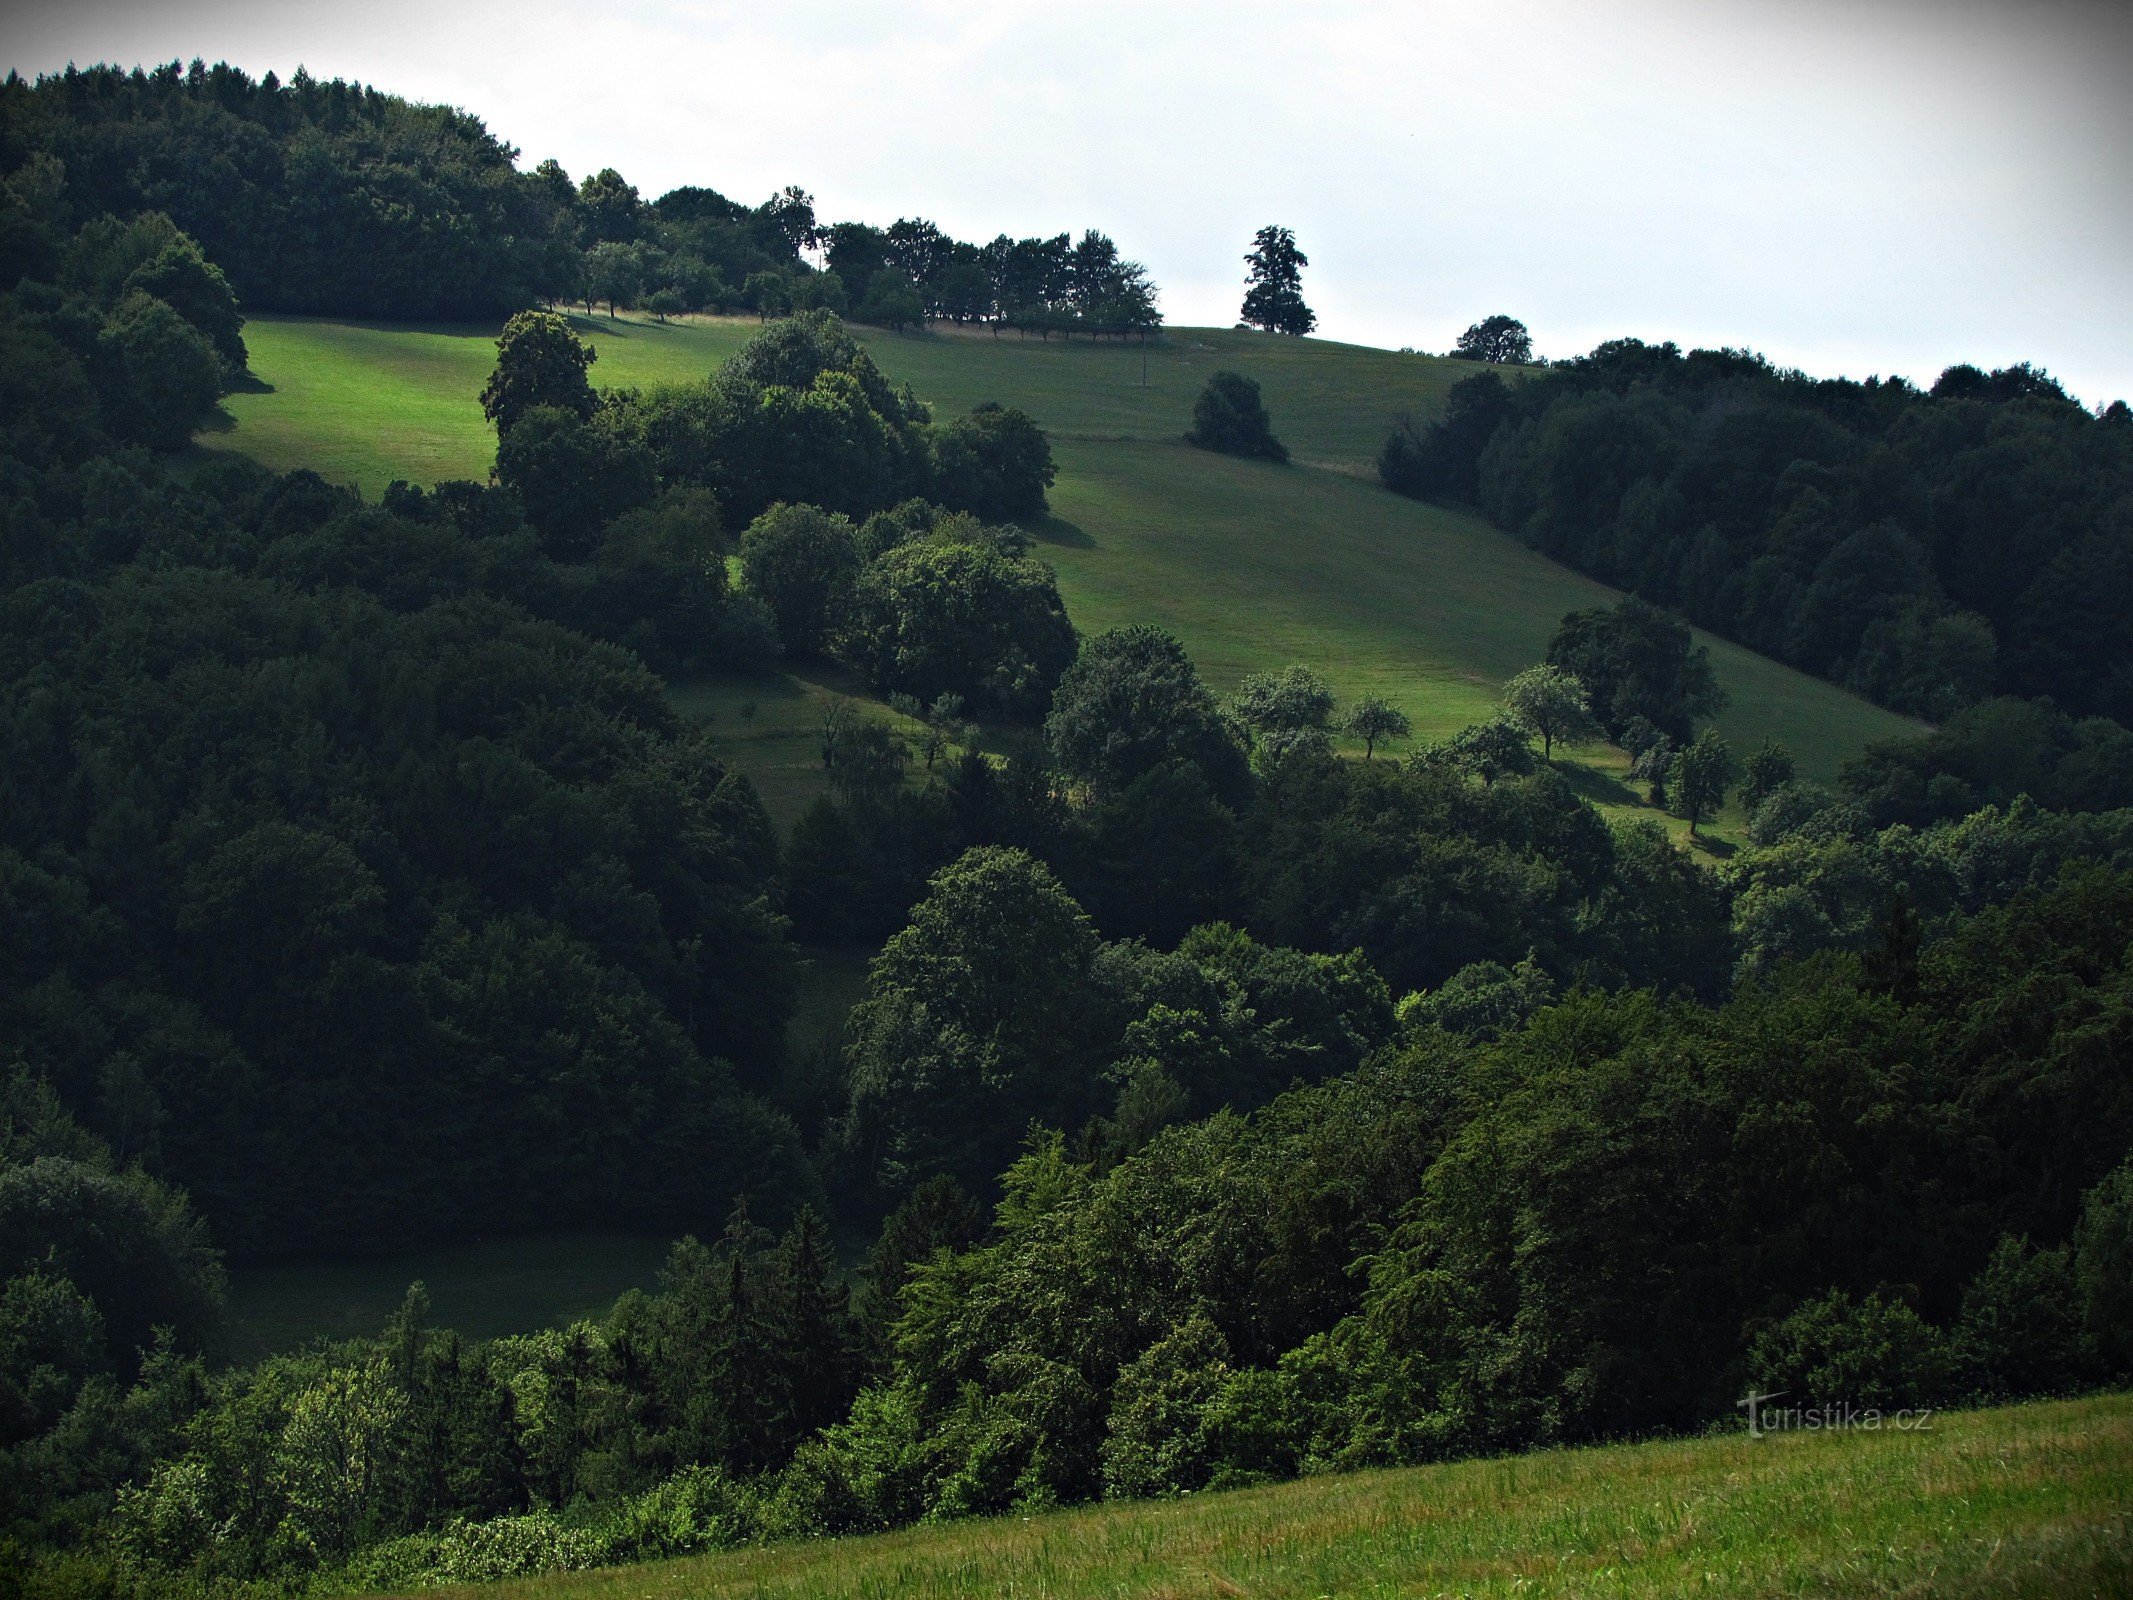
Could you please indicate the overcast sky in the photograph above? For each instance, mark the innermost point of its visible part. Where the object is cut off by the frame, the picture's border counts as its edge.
(1884, 186)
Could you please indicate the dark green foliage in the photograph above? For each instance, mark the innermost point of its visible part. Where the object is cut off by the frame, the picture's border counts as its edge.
(996, 463)
(539, 362)
(977, 1019)
(1440, 462)
(1500, 340)
(1230, 417)
(801, 563)
(1857, 530)
(1131, 703)
(1636, 661)
(1875, 1354)
(1988, 755)
(1765, 772)
(573, 476)
(1702, 773)
(164, 366)
(1273, 294)
(949, 615)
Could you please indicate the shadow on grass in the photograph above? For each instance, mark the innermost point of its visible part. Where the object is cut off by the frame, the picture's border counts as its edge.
(1054, 529)
(1601, 788)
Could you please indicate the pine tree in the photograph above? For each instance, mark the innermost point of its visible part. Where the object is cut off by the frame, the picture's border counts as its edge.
(1273, 294)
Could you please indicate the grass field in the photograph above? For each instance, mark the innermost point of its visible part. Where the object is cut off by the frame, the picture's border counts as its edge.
(1253, 566)
(2020, 1501)
(492, 1287)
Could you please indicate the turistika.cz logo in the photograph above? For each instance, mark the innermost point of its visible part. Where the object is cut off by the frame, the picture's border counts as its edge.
(1764, 1418)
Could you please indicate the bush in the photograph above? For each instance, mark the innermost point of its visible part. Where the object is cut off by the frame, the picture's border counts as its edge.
(1229, 417)
(1834, 1350)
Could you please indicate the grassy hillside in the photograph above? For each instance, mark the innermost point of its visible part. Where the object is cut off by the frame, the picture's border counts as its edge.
(2021, 1501)
(1252, 565)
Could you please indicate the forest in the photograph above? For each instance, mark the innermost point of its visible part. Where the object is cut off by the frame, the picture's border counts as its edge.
(337, 197)
(1221, 1107)
(1929, 549)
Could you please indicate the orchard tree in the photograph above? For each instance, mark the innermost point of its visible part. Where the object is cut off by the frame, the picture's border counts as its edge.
(1500, 340)
(1550, 702)
(539, 362)
(1285, 709)
(1374, 719)
(1702, 774)
(1273, 291)
(614, 273)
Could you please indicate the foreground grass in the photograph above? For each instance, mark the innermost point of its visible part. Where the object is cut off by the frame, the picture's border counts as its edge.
(2020, 1501)
(1253, 566)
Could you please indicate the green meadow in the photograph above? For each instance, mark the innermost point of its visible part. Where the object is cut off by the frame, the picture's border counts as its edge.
(1252, 565)
(2014, 1502)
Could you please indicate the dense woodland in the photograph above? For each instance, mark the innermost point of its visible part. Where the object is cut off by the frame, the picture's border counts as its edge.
(335, 197)
(1221, 1106)
(1928, 549)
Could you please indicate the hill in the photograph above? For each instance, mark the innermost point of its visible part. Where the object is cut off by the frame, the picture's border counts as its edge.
(1253, 566)
(2040, 1487)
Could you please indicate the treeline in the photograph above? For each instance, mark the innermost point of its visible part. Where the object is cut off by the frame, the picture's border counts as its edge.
(1928, 550)
(334, 197)
(1893, 1179)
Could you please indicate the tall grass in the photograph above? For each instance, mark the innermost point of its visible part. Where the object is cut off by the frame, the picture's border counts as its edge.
(2018, 1501)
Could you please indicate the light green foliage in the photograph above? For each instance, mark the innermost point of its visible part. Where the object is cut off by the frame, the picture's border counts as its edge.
(1158, 1440)
(1550, 704)
(1375, 721)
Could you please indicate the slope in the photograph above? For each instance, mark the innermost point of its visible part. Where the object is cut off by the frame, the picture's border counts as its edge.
(1252, 565)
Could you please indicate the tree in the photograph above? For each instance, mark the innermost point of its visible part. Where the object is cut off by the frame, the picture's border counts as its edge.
(573, 476)
(539, 362)
(1230, 417)
(768, 292)
(1550, 702)
(164, 375)
(800, 562)
(977, 1019)
(1767, 771)
(1498, 748)
(614, 273)
(1499, 339)
(996, 463)
(1284, 709)
(1636, 660)
(948, 617)
(1131, 703)
(891, 302)
(1273, 294)
(1373, 719)
(195, 288)
(1702, 774)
